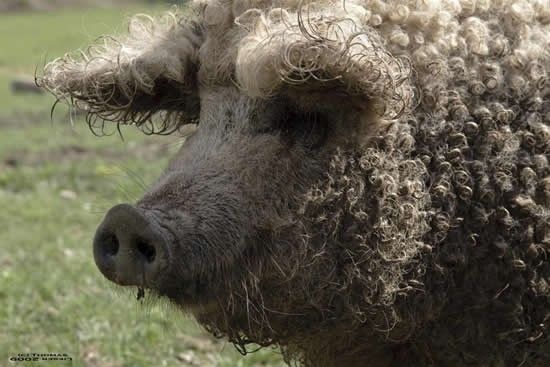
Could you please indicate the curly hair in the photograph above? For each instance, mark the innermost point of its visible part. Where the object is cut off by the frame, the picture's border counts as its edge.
(430, 243)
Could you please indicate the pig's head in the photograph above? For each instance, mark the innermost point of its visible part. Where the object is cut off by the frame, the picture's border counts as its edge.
(293, 203)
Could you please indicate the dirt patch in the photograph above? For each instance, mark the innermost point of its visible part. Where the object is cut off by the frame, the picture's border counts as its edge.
(91, 357)
(202, 343)
(25, 85)
(42, 5)
(20, 119)
(148, 151)
(199, 351)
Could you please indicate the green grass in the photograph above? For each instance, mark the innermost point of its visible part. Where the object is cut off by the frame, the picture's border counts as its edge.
(51, 34)
(56, 181)
(28, 40)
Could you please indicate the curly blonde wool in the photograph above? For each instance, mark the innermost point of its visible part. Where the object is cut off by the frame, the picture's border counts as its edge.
(127, 80)
(427, 246)
(315, 46)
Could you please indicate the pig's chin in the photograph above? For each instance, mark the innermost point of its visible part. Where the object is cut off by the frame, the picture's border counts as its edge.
(186, 293)
(184, 286)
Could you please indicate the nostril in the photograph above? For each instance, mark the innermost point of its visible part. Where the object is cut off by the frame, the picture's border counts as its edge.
(146, 250)
(111, 245)
(129, 248)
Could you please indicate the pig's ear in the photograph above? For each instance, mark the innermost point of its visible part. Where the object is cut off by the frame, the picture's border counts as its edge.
(321, 55)
(128, 79)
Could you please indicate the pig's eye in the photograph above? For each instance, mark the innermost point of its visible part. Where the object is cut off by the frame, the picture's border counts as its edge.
(309, 128)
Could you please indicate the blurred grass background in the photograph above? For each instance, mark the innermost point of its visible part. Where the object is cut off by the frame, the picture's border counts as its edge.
(56, 181)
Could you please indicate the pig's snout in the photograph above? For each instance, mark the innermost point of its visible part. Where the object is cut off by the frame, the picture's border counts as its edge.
(129, 248)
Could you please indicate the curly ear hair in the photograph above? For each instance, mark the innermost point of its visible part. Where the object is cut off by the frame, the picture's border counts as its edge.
(324, 50)
(128, 80)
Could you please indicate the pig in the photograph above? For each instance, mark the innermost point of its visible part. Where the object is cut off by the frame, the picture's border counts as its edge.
(366, 182)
